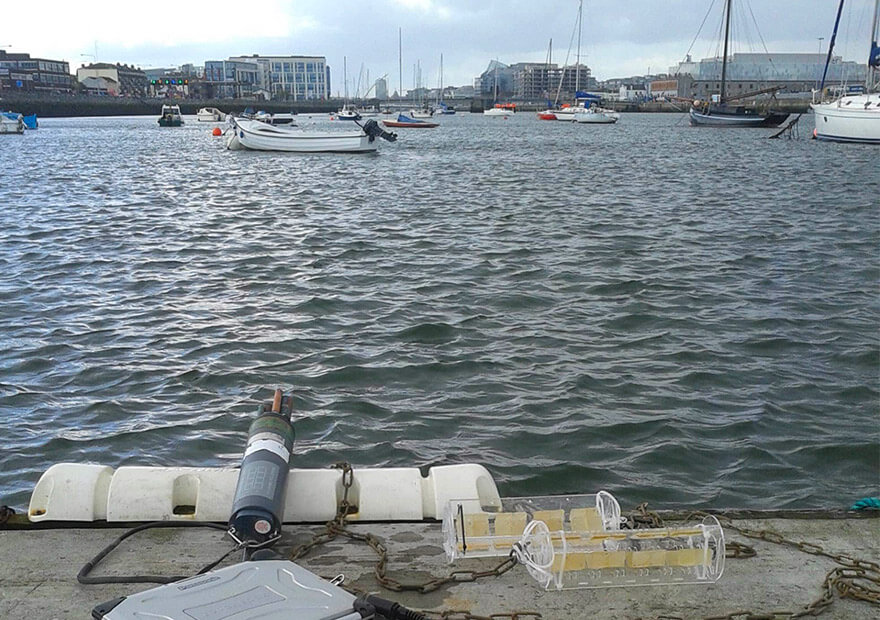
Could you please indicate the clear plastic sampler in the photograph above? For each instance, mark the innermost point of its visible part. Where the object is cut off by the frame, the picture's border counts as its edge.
(474, 529)
(560, 559)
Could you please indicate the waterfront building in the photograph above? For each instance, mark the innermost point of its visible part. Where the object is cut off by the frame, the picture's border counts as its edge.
(18, 71)
(231, 79)
(115, 80)
(300, 78)
(795, 70)
(531, 81)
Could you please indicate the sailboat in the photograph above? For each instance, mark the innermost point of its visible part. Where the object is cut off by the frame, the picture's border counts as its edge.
(720, 113)
(499, 109)
(347, 112)
(442, 108)
(586, 107)
(853, 118)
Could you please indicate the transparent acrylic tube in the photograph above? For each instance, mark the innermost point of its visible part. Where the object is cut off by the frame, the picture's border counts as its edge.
(657, 556)
(473, 529)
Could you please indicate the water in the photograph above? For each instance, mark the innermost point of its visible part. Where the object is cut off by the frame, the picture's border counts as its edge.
(681, 316)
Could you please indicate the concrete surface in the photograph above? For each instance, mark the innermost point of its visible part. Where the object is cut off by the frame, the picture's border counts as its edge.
(38, 570)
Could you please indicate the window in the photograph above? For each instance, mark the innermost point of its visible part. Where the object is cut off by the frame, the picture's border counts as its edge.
(300, 67)
(310, 67)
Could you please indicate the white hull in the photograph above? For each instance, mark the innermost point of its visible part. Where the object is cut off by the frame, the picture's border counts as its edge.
(597, 118)
(498, 112)
(210, 115)
(7, 125)
(257, 136)
(853, 118)
(421, 113)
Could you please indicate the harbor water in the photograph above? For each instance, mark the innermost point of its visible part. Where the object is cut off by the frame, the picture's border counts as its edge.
(682, 316)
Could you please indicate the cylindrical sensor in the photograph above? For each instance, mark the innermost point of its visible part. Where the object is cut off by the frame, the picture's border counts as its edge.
(258, 507)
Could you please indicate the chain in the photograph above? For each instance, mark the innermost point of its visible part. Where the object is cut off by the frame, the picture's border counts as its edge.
(855, 578)
(338, 526)
(454, 614)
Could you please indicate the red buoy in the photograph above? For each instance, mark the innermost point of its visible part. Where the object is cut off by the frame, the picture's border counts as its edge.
(217, 131)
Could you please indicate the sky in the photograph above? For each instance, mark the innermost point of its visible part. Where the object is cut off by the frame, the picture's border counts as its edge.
(618, 39)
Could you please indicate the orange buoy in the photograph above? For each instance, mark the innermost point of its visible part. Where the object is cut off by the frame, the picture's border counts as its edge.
(217, 131)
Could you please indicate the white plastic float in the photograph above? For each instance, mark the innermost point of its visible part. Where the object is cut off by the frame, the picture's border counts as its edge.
(86, 492)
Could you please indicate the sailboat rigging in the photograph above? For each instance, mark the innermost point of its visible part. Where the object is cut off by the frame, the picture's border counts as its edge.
(721, 113)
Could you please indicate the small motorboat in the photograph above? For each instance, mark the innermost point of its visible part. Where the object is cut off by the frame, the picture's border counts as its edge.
(547, 115)
(248, 134)
(598, 116)
(421, 113)
(348, 113)
(405, 121)
(210, 115)
(170, 116)
(279, 118)
(30, 121)
(11, 122)
(501, 109)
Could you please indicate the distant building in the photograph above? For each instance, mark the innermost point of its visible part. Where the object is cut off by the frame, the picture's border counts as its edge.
(231, 79)
(115, 80)
(529, 81)
(21, 72)
(662, 89)
(300, 78)
(381, 89)
(784, 67)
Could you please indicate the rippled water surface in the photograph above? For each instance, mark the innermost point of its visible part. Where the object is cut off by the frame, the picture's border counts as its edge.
(682, 316)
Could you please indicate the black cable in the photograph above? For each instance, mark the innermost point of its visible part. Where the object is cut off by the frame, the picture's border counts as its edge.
(83, 577)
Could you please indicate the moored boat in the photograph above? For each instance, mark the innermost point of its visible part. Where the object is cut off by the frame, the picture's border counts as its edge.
(210, 115)
(171, 116)
(720, 113)
(11, 122)
(853, 117)
(406, 121)
(247, 134)
(278, 118)
(501, 109)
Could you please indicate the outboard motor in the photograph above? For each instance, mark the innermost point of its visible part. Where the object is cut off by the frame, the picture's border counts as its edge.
(258, 507)
(374, 130)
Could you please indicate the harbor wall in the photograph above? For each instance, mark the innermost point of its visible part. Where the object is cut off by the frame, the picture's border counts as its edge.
(47, 106)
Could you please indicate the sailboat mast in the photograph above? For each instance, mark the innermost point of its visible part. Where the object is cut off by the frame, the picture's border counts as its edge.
(345, 79)
(400, 62)
(724, 60)
(577, 65)
(830, 47)
(874, 54)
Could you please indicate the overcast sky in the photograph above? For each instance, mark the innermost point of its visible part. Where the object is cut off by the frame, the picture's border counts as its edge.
(623, 38)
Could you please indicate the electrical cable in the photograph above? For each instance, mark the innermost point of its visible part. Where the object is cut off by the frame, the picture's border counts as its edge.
(83, 575)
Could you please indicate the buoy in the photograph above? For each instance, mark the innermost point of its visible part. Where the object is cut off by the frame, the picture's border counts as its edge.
(815, 134)
(217, 131)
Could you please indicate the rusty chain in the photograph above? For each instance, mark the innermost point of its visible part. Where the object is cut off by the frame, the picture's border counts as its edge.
(338, 526)
(855, 578)
(454, 614)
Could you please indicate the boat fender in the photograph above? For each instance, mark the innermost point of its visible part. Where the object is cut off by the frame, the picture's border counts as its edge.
(258, 504)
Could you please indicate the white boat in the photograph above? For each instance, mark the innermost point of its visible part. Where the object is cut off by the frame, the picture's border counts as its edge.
(598, 116)
(171, 116)
(854, 118)
(348, 113)
(279, 118)
(247, 134)
(210, 115)
(499, 110)
(11, 122)
(422, 113)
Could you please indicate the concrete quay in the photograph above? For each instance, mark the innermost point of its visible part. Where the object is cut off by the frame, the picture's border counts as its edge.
(39, 564)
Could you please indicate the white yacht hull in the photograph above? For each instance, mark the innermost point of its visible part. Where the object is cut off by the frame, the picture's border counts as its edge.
(596, 118)
(852, 118)
(498, 112)
(258, 136)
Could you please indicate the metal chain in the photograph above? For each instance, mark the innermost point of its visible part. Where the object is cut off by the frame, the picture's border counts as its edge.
(338, 526)
(854, 578)
(454, 614)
